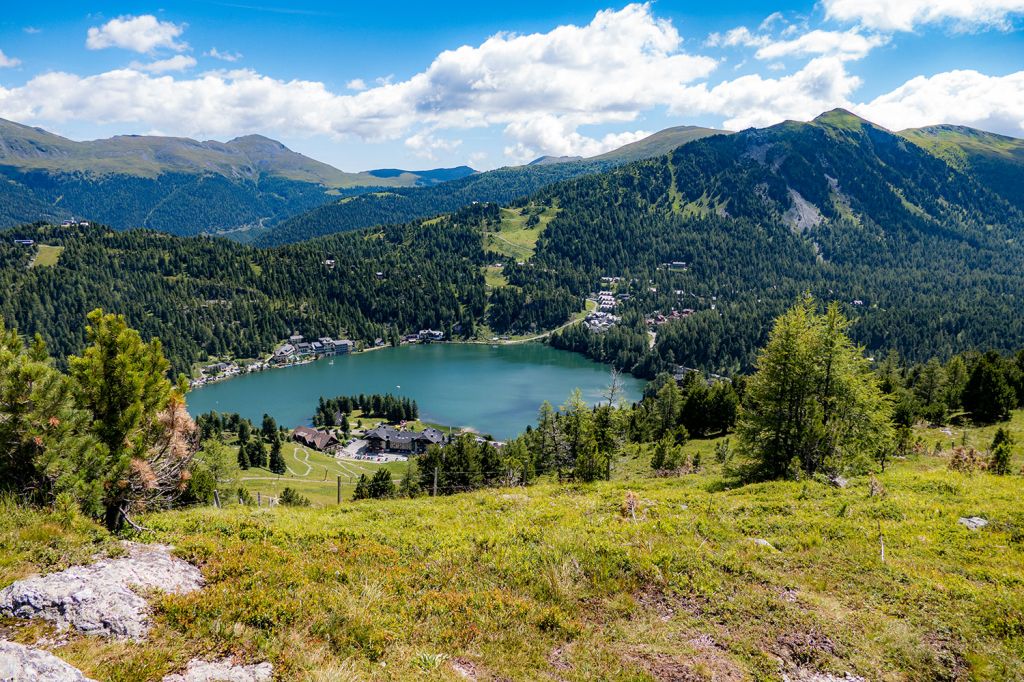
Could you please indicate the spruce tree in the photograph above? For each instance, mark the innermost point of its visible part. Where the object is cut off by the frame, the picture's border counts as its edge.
(277, 464)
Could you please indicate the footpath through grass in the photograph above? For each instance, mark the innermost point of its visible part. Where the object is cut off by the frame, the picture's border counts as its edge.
(565, 582)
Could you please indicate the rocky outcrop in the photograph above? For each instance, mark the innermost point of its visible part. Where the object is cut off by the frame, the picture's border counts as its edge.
(20, 663)
(973, 522)
(222, 671)
(102, 598)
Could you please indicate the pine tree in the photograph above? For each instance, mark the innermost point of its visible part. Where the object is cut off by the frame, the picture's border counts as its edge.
(269, 427)
(361, 491)
(243, 457)
(138, 415)
(277, 464)
(381, 485)
(1001, 452)
(988, 395)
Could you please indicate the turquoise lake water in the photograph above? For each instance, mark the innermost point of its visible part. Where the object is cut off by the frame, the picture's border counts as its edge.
(494, 390)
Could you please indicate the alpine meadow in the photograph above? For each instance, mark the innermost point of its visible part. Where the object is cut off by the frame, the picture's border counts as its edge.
(693, 352)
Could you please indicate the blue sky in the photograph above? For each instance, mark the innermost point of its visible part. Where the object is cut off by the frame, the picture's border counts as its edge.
(414, 85)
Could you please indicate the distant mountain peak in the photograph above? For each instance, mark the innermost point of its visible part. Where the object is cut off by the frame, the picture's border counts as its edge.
(841, 118)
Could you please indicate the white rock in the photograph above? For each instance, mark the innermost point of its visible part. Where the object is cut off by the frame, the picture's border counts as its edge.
(23, 664)
(761, 542)
(222, 671)
(100, 599)
(973, 522)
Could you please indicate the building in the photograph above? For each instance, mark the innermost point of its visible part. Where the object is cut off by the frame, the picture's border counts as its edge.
(430, 335)
(284, 352)
(315, 438)
(343, 346)
(389, 439)
(606, 300)
(24, 242)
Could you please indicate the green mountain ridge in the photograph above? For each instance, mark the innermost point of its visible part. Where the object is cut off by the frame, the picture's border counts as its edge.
(173, 184)
(502, 185)
(926, 258)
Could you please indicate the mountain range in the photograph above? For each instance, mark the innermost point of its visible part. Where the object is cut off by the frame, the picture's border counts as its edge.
(174, 184)
(914, 240)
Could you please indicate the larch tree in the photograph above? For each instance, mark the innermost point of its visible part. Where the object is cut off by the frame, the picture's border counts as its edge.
(813, 405)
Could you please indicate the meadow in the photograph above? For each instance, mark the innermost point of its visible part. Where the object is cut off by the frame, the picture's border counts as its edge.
(638, 578)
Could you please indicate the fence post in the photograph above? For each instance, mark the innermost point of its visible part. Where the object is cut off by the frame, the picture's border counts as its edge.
(339, 488)
(435, 481)
(259, 499)
(216, 498)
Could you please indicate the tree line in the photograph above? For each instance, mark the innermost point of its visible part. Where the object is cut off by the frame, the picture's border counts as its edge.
(385, 406)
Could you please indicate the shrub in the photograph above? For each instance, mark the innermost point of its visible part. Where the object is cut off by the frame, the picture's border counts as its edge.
(292, 498)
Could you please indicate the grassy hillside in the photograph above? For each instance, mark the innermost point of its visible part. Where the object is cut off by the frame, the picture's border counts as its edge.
(565, 582)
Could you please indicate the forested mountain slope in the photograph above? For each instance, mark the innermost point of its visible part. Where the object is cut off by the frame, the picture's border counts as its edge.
(502, 185)
(927, 256)
(205, 295)
(996, 160)
(172, 184)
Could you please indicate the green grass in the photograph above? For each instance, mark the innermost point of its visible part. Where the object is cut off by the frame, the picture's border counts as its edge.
(560, 582)
(47, 256)
(513, 238)
(494, 276)
(312, 473)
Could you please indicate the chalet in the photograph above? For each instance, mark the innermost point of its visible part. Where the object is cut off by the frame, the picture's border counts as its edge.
(430, 335)
(295, 339)
(390, 439)
(284, 352)
(315, 438)
(303, 348)
(344, 346)
(318, 348)
(66, 223)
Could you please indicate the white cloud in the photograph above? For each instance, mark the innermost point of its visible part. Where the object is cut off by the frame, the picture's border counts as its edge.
(822, 84)
(6, 62)
(143, 33)
(843, 44)
(970, 98)
(425, 144)
(357, 84)
(620, 64)
(32, 30)
(223, 56)
(906, 15)
(556, 136)
(178, 62)
(740, 36)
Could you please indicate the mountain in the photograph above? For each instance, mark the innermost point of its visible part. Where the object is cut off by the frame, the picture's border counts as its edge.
(423, 178)
(659, 143)
(924, 255)
(502, 185)
(995, 159)
(173, 184)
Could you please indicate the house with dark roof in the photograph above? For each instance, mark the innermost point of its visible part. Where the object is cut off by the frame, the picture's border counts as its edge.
(389, 439)
(317, 439)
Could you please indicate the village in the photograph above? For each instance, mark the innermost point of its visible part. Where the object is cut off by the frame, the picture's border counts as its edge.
(296, 350)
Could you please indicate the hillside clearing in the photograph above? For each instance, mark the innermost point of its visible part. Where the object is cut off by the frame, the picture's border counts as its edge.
(47, 255)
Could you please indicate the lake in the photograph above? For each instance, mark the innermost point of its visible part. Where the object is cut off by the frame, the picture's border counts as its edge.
(495, 390)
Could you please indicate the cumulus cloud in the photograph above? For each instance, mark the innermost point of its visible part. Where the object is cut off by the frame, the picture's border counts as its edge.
(842, 44)
(426, 145)
(741, 36)
(966, 97)
(752, 100)
(223, 56)
(6, 61)
(143, 34)
(357, 84)
(178, 62)
(906, 15)
(620, 64)
(557, 136)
